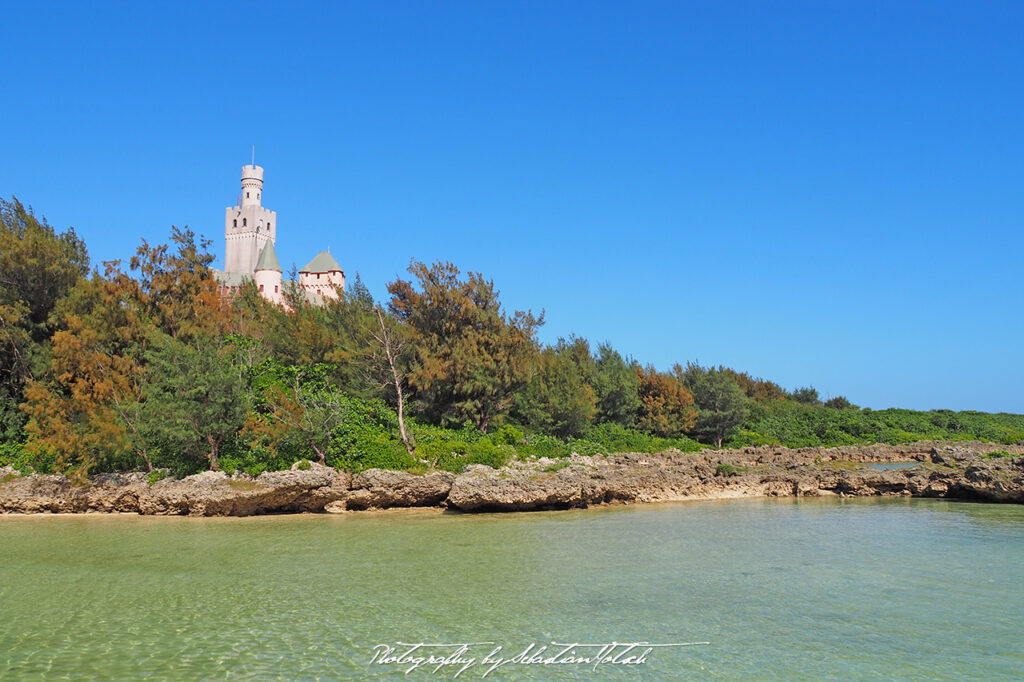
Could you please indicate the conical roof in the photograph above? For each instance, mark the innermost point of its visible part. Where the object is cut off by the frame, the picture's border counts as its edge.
(323, 262)
(268, 258)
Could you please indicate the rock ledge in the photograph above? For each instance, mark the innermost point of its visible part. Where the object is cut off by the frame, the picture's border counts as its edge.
(951, 470)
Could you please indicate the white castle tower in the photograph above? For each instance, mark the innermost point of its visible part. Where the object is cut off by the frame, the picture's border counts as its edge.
(248, 226)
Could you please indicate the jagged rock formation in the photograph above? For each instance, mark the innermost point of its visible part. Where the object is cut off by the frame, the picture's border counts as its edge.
(959, 470)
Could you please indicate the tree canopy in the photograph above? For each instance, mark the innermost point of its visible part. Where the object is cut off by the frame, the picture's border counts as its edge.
(721, 404)
(470, 357)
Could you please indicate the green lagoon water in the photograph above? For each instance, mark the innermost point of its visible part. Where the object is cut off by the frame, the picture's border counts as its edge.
(781, 589)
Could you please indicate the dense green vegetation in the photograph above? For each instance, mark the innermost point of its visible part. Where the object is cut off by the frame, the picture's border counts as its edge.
(144, 366)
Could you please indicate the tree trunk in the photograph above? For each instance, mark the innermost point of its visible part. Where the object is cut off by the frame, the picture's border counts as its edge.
(145, 458)
(407, 439)
(317, 451)
(410, 444)
(212, 456)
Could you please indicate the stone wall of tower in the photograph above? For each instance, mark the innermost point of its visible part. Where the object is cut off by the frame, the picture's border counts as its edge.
(248, 226)
(326, 284)
(270, 285)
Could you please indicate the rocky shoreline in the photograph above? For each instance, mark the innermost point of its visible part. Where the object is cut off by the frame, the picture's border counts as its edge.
(964, 471)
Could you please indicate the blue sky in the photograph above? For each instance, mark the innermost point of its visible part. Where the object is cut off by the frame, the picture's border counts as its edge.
(824, 193)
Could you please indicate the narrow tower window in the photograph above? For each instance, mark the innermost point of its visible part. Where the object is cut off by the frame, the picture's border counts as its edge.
(243, 222)
(235, 223)
(246, 195)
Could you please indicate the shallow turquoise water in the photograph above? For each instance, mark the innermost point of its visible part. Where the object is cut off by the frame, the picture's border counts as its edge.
(781, 589)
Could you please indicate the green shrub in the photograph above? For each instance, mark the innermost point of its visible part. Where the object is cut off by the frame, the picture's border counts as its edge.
(557, 466)
(237, 455)
(795, 425)
(611, 438)
(746, 439)
(541, 445)
(486, 452)
(729, 470)
(157, 475)
(14, 455)
(587, 447)
(370, 450)
(304, 465)
(507, 435)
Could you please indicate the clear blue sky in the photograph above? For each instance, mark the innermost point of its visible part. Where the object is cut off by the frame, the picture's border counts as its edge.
(826, 193)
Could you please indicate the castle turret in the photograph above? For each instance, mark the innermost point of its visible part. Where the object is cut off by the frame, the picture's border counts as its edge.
(252, 185)
(268, 274)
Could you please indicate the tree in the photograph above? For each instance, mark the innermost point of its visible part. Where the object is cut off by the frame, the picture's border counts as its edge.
(308, 407)
(666, 407)
(721, 403)
(86, 410)
(807, 395)
(359, 294)
(756, 389)
(616, 387)
(470, 358)
(196, 397)
(558, 400)
(38, 267)
(76, 412)
(302, 335)
(176, 289)
(839, 402)
(387, 361)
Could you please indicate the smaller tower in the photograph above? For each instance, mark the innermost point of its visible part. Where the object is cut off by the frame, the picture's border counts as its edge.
(322, 276)
(268, 275)
(252, 185)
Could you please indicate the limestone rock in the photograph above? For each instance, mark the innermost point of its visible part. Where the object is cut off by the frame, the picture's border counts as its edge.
(957, 470)
(379, 489)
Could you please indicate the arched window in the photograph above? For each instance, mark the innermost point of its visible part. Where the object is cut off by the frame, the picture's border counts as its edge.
(234, 223)
(261, 288)
(317, 292)
(246, 195)
(275, 288)
(268, 227)
(243, 222)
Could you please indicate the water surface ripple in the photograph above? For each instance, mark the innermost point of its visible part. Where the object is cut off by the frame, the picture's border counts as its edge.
(782, 589)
